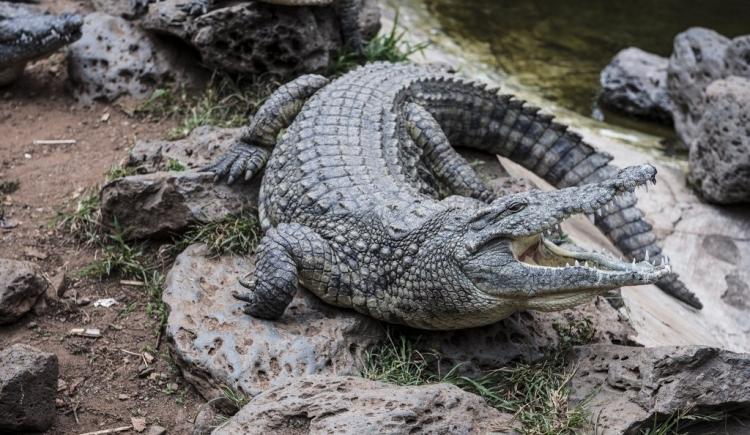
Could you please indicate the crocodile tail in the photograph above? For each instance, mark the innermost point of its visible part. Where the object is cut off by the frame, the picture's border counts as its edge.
(474, 116)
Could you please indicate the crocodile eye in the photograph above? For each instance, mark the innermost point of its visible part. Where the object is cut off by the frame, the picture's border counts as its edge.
(516, 207)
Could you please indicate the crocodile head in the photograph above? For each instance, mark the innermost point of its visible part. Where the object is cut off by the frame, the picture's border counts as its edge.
(26, 34)
(508, 250)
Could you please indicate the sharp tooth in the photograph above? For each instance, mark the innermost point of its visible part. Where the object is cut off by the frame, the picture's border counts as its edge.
(647, 255)
(634, 262)
(661, 263)
(577, 263)
(586, 264)
(599, 212)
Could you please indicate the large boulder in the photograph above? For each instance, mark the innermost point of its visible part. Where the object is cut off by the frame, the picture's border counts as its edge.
(737, 57)
(337, 404)
(258, 38)
(635, 83)
(28, 386)
(216, 344)
(21, 284)
(720, 153)
(628, 388)
(697, 60)
(115, 57)
(166, 203)
(203, 146)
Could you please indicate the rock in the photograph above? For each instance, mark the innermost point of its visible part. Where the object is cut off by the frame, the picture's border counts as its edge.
(166, 203)
(20, 287)
(207, 420)
(342, 404)
(259, 38)
(697, 60)
(122, 8)
(737, 293)
(29, 34)
(526, 336)
(737, 57)
(214, 343)
(203, 146)
(720, 153)
(28, 386)
(635, 83)
(627, 387)
(156, 430)
(114, 57)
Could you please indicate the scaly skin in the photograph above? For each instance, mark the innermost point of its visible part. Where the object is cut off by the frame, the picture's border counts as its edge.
(350, 209)
(26, 34)
(348, 11)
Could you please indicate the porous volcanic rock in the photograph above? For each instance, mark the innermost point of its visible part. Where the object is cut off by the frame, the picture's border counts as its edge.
(203, 146)
(215, 343)
(28, 386)
(344, 404)
(114, 57)
(165, 203)
(697, 60)
(20, 287)
(635, 83)
(720, 153)
(258, 38)
(737, 57)
(627, 387)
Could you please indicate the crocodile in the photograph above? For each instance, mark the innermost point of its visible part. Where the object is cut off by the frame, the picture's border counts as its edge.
(27, 34)
(365, 202)
(348, 11)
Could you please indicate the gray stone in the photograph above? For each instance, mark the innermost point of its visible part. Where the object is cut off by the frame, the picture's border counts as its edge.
(21, 284)
(114, 58)
(207, 420)
(737, 57)
(28, 386)
(340, 404)
(627, 387)
(720, 153)
(526, 336)
(201, 147)
(635, 83)
(697, 60)
(166, 203)
(128, 9)
(215, 343)
(259, 38)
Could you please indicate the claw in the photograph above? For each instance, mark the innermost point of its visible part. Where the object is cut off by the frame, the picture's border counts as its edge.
(247, 297)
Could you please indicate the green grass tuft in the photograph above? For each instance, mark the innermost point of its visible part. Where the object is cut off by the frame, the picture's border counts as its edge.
(577, 332)
(226, 102)
(237, 235)
(681, 420)
(390, 47)
(536, 393)
(84, 221)
(119, 171)
(175, 165)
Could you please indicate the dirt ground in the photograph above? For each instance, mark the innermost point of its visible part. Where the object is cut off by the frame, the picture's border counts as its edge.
(106, 381)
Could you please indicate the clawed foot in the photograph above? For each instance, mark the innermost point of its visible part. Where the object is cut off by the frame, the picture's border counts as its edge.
(242, 160)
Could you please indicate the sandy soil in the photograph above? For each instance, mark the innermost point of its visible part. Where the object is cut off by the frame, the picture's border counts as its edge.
(100, 386)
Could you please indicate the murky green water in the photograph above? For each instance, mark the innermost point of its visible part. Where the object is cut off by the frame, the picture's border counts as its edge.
(558, 47)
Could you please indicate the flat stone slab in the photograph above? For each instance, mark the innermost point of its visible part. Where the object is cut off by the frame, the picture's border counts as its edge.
(338, 404)
(627, 387)
(165, 203)
(215, 344)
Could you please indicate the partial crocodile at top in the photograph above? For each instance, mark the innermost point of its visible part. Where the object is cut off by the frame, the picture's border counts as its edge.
(350, 206)
(27, 34)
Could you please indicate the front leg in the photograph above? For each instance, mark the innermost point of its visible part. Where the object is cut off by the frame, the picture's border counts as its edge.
(250, 154)
(286, 254)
